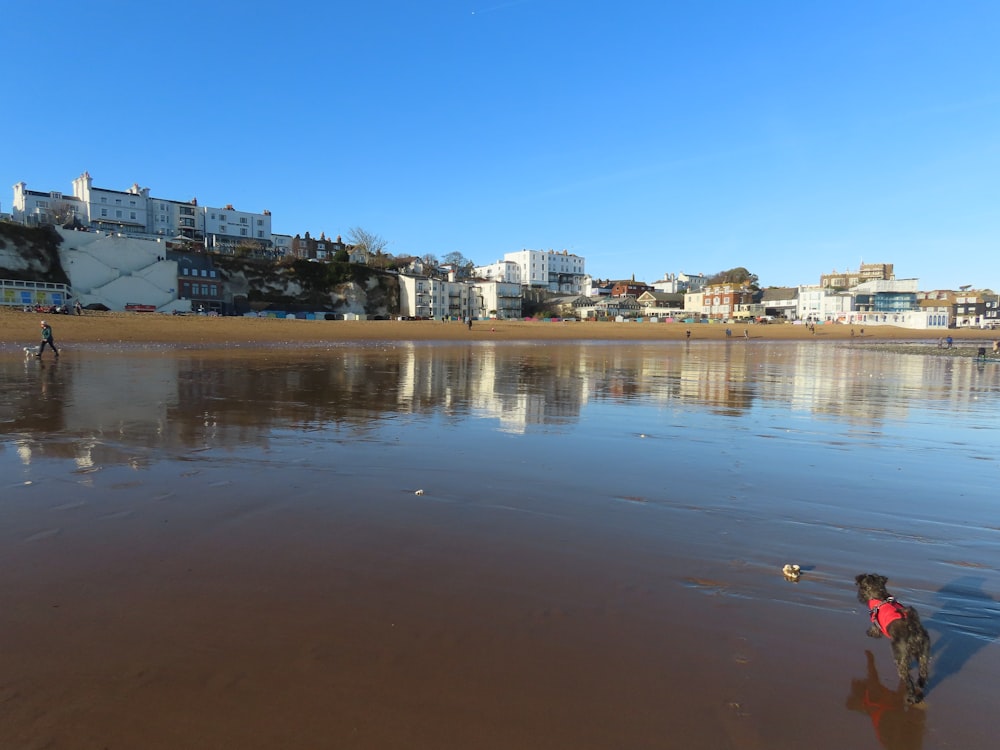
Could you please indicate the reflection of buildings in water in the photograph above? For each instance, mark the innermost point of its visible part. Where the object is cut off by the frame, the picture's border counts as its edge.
(869, 386)
(717, 375)
(81, 409)
(517, 386)
(107, 409)
(845, 382)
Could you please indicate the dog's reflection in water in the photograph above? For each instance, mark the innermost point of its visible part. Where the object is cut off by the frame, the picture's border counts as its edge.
(898, 724)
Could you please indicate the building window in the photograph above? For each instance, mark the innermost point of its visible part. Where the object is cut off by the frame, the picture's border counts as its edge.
(185, 271)
(132, 215)
(212, 273)
(118, 214)
(243, 220)
(118, 201)
(260, 222)
(260, 234)
(243, 231)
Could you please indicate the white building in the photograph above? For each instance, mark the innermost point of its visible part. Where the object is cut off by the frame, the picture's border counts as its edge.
(496, 299)
(228, 227)
(33, 208)
(679, 283)
(134, 212)
(425, 297)
(503, 270)
(563, 273)
(282, 244)
(122, 211)
(818, 304)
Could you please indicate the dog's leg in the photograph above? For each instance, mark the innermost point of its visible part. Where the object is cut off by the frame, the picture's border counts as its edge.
(874, 631)
(924, 663)
(901, 655)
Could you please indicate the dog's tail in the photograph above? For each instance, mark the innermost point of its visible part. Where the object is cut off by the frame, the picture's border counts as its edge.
(911, 614)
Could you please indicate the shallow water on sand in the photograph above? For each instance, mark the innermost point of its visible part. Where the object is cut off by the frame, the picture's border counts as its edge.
(494, 546)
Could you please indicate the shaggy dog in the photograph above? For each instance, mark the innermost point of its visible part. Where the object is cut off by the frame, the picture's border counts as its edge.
(901, 625)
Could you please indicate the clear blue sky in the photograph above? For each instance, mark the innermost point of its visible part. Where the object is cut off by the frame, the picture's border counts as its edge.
(792, 138)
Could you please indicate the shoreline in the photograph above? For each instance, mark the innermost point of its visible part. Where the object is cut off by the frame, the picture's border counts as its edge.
(22, 329)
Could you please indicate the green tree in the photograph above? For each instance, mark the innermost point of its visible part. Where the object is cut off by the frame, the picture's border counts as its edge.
(738, 276)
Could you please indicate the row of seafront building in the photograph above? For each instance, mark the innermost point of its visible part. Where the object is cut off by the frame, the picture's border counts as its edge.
(871, 294)
(874, 301)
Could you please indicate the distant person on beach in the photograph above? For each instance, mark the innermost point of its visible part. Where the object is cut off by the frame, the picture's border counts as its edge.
(746, 333)
(688, 333)
(470, 322)
(948, 341)
(78, 307)
(47, 338)
(996, 347)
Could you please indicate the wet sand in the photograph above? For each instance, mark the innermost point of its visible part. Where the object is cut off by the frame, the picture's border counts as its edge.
(137, 328)
(143, 616)
(299, 594)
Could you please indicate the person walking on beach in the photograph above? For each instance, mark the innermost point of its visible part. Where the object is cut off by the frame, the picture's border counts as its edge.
(47, 338)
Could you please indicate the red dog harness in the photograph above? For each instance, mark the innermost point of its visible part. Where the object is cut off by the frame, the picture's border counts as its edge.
(884, 613)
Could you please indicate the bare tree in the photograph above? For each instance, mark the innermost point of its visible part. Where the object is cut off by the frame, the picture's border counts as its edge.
(62, 213)
(369, 243)
(456, 259)
(462, 265)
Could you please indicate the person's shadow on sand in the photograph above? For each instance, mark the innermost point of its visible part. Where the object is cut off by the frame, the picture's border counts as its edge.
(968, 620)
(898, 725)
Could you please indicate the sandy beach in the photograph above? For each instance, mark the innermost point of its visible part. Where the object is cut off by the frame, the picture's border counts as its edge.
(22, 328)
(209, 540)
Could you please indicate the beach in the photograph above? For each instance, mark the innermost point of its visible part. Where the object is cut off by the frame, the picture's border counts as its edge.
(110, 328)
(268, 533)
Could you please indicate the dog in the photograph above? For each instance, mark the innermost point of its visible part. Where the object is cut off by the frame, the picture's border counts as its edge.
(902, 626)
(30, 351)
